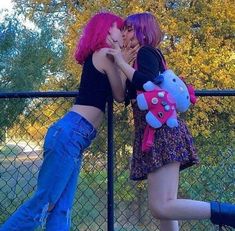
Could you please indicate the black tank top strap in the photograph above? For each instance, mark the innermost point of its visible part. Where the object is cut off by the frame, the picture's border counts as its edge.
(94, 87)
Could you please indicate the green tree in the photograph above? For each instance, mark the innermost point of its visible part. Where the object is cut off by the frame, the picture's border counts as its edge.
(27, 58)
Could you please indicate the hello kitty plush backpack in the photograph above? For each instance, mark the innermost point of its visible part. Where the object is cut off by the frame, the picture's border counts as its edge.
(162, 99)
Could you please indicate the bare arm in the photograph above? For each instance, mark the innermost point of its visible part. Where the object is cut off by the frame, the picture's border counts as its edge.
(127, 69)
(148, 66)
(107, 66)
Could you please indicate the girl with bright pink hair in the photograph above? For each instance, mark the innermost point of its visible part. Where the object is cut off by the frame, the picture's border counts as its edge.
(67, 138)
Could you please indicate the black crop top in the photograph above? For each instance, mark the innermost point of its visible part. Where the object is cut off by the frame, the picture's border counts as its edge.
(94, 87)
(149, 65)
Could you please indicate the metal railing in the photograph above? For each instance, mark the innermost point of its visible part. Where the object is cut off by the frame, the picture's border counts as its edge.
(14, 165)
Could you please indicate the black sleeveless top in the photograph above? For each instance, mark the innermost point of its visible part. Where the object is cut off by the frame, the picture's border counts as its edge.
(150, 65)
(94, 87)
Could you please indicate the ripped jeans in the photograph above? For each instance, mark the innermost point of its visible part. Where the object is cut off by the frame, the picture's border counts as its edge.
(64, 144)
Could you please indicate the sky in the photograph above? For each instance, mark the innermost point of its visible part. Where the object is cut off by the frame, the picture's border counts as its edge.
(5, 4)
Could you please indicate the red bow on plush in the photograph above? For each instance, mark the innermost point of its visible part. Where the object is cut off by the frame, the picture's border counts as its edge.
(191, 90)
(192, 95)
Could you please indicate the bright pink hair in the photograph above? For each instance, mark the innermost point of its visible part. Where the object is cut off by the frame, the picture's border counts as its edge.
(95, 33)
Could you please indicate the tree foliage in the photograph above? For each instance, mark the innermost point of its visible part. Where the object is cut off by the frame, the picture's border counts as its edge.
(27, 57)
(198, 44)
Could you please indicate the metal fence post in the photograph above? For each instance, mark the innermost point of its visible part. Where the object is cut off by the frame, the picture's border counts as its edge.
(110, 168)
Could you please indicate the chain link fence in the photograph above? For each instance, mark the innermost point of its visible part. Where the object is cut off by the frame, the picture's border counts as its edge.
(21, 156)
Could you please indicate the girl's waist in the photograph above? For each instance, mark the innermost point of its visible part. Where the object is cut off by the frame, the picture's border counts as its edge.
(92, 114)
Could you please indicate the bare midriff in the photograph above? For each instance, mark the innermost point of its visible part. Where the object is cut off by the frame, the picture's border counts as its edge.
(93, 114)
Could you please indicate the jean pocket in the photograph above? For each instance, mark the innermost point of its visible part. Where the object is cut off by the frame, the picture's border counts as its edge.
(83, 130)
(51, 137)
(80, 139)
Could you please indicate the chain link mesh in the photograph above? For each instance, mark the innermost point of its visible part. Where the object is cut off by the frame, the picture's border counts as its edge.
(21, 156)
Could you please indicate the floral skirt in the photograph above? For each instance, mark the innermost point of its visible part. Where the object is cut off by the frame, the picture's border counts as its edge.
(170, 145)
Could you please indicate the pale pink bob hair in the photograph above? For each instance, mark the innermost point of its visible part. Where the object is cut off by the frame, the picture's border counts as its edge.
(95, 33)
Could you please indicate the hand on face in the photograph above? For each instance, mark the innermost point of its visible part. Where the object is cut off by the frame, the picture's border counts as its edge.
(113, 43)
(127, 54)
(131, 44)
(115, 55)
(115, 36)
(130, 53)
(129, 50)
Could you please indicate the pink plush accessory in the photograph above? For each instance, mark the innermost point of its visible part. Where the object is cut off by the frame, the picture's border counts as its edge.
(148, 139)
(160, 104)
(193, 98)
(191, 90)
(162, 108)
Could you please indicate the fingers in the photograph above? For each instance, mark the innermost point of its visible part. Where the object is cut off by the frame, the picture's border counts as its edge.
(111, 42)
(126, 45)
(132, 53)
(129, 45)
(136, 48)
(111, 51)
(114, 43)
(130, 49)
(110, 56)
(131, 62)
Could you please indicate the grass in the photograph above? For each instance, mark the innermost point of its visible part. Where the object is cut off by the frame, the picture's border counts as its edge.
(90, 205)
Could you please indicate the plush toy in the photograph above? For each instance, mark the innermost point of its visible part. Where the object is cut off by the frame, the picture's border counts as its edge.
(162, 102)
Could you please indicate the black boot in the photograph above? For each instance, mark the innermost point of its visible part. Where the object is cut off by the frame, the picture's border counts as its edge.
(223, 214)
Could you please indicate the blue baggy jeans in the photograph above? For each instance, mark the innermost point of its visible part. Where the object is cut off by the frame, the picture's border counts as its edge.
(64, 144)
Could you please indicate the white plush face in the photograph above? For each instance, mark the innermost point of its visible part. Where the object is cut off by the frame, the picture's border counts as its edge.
(178, 90)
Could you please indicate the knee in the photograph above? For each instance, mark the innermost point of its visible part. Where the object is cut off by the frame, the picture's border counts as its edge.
(159, 210)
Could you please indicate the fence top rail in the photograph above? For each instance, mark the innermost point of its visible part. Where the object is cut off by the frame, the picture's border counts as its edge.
(38, 94)
(56, 94)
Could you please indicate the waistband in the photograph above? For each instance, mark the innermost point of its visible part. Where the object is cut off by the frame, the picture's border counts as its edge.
(75, 118)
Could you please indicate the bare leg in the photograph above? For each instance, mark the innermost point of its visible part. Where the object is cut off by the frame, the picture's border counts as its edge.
(169, 225)
(163, 202)
(162, 190)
